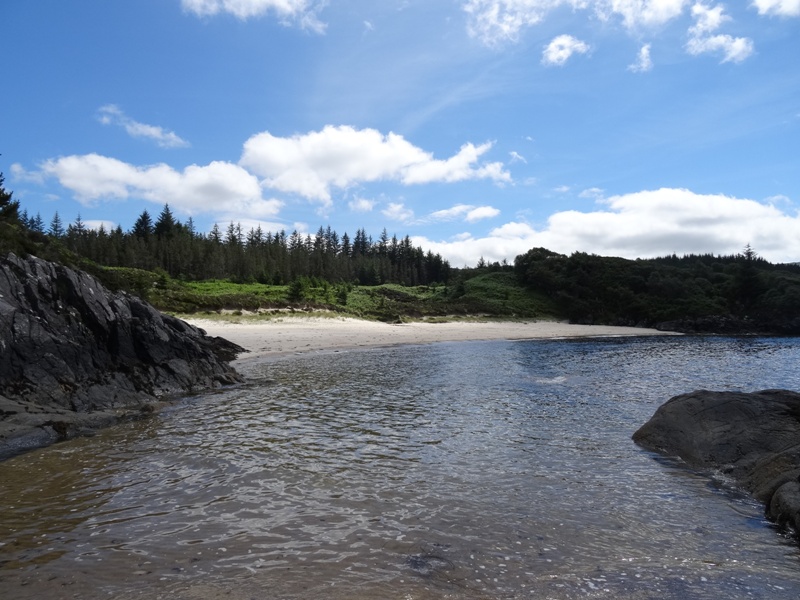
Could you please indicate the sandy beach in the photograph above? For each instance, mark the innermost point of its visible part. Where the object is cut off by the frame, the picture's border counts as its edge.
(301, 334)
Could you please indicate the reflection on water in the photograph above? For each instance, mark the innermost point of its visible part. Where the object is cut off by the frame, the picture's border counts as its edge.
(470, 470)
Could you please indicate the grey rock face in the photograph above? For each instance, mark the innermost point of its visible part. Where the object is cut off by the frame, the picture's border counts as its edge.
(75, 356)
(753, 438)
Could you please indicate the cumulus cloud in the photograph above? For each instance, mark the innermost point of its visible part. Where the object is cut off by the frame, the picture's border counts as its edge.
(517, 157)
(397, 211)
(561, 48)
(639, 225)
(781, 8)
(213, 188)
(311, 164)
(702, 39)
(111, 114)
(467, 212)
(643, 63)
(300, 12)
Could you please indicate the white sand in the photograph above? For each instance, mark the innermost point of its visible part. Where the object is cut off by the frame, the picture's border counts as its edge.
(291, 335)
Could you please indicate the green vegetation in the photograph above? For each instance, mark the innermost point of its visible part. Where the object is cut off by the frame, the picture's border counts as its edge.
(476, 294)
(182, 271)
(702, 291)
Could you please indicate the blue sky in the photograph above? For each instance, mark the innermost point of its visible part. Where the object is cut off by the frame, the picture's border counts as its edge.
(628, 128)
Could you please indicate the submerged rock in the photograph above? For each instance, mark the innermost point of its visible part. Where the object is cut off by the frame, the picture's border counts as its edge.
(754, 438)
(75, 356)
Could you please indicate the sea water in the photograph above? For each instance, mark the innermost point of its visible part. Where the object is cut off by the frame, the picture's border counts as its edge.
(493, 470)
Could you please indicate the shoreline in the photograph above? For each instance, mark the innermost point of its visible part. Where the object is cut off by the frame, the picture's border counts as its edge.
(284, 336)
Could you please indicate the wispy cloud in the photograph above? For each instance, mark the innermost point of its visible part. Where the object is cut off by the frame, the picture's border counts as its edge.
(643, 63)
(303, 13)
(361, 205)
(496, 22)
(111, 114)
(397, 211)
(561, 48)
(702, 39)
(466, 212)
(781, 8)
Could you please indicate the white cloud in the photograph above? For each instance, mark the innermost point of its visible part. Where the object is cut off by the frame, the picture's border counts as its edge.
(642, 224)
(311, 164)
(517, 157)
(20, 173)
(113, 115)
(707, 19)
(561, 48)
(594, 192)
(701, 41)
(95, 225)
(733, 49)
(397, 211)
(781, 8)
(480, 213)
(644, 63)
(450, 214)
(467, 212)
(213, 188)
(300, 12)
(361, 205)
(249, 224)
(638, 14)
(496, 21)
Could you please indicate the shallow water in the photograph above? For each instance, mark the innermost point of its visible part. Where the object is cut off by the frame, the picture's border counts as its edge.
(466, 470)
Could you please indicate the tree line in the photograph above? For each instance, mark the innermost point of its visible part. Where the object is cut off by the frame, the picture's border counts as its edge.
(741, 291)
(177, 248)
(730, 294)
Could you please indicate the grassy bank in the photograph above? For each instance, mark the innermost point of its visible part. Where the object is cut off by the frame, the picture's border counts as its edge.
(483, 295)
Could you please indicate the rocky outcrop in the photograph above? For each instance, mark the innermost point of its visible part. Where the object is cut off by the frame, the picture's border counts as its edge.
(75, 356)
(753, 438)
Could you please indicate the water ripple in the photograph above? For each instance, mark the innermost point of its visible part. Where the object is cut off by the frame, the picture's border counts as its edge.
(485, 470)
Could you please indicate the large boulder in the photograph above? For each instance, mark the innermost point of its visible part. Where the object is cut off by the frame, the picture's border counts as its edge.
(75, 356)
(753, 438)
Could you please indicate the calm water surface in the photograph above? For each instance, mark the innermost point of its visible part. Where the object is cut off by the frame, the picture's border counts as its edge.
(469, 470)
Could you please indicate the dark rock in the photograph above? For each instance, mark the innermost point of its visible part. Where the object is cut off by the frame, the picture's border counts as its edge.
(75, 356)
(754, 438)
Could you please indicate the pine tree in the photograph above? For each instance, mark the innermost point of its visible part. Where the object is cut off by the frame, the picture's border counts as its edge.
(9, 208)
(37, 224)
(56, 229)
(166, 224)
(143, 228)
